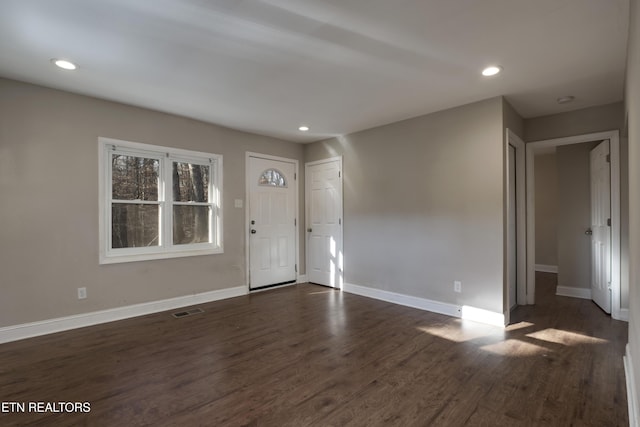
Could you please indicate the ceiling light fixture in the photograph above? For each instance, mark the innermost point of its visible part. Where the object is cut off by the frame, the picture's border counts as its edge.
(565, 99)
(64, 64)
(491, 71)
(303, 128)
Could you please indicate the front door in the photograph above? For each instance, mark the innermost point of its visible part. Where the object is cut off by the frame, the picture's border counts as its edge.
(601, 226)
(324, 222)
(272, 222)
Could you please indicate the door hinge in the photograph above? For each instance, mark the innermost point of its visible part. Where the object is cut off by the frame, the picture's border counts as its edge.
(339, 221)
(339, 174)
(295, 176)
(296, 268)
(609, 222)
(295, 221)
(608, 158)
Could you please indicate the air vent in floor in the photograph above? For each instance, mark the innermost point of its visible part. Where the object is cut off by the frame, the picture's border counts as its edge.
(186, 313)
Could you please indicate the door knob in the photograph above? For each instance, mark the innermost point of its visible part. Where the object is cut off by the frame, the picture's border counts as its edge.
(309, 230)
(253, 231)
(589, 232)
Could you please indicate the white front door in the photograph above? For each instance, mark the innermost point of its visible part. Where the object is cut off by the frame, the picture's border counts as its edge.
(272, 222)
(601, 226)
(324, 222)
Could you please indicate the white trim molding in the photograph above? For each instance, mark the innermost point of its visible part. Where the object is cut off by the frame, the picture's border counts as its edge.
(568, 291)
(302, 278)
(518, 144)
(632, 394)
(50, 326)
(546, 268)
(462, 312)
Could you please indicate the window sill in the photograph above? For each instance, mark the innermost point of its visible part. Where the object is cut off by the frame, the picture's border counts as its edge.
(117, 259)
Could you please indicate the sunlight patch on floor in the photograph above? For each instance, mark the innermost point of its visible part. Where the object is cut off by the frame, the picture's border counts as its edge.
(520, 325)
(515, 348)
(462, 332)
(558, 336)
(482, 316)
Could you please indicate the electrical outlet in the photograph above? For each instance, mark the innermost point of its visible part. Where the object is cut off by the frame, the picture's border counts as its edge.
(457, 286)
(82, 293)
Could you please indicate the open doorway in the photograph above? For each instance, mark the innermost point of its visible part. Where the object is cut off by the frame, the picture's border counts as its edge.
(576, 241)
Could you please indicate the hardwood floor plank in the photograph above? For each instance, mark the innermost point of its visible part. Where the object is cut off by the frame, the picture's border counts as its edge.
(306, 355)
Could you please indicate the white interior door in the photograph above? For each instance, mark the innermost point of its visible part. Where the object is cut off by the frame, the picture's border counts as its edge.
(272, 222)
(601, 226)
(324, 222)
(513, 229)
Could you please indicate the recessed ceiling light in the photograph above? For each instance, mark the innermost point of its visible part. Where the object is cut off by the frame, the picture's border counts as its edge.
(491, 71)
(303, 128)
(565, 99)
(64, 64)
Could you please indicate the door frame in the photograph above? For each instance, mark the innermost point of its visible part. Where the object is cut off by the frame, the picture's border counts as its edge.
(307, 205)
(247, 218)
(614, 139)
(521, 221)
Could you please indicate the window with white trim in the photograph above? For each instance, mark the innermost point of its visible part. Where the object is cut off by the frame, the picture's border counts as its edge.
(158, 202)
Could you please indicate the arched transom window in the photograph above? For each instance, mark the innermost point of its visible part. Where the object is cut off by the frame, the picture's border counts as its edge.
(272, 178)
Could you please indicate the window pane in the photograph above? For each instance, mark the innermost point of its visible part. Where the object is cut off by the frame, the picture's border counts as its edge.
(190, 224)
(272, 177)
(134, 226)
(134, 178)
(190, 182)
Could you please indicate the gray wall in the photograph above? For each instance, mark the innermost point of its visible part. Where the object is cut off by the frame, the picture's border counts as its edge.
(546, 214)
(512, 119)
(49, 209)
(632, 97)
(578, 122)
(423, 205)
(574, 215)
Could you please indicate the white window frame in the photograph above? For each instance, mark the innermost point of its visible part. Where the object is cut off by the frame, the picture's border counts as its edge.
(166, 156)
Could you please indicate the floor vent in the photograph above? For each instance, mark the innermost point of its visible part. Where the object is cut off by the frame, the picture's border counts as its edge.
(191, 312)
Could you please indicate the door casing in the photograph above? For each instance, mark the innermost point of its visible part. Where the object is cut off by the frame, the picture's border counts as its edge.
(521, 212)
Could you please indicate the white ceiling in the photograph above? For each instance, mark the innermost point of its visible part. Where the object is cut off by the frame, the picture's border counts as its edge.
(337, 65)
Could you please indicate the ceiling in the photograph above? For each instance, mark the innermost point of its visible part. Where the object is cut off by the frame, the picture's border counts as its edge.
(338, 66)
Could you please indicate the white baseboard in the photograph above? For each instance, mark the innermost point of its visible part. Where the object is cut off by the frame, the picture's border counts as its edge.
(623, 315)
(567, 291)
(546, 268)
(464, 312)
(632, 395)
(302, 278)
(34, 329)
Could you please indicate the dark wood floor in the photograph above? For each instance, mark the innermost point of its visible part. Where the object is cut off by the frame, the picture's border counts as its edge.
(308, 355)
